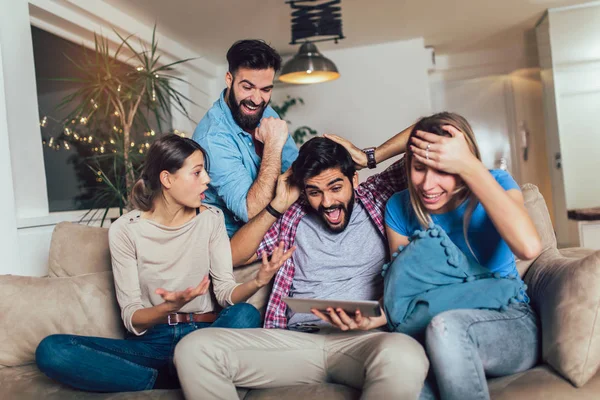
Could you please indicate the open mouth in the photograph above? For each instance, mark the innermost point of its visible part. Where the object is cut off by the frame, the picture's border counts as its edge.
(431, 198)
(251, 109)
(202, 196)
(333, 216)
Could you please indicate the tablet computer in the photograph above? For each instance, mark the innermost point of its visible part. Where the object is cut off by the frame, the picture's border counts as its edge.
(368, 308)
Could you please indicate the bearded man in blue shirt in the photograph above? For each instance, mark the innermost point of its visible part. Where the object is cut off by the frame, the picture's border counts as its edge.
(248, 145)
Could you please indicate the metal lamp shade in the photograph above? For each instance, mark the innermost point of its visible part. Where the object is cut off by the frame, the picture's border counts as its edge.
(308, 66)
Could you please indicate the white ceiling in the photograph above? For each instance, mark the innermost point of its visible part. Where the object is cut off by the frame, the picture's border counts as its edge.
(209, 27)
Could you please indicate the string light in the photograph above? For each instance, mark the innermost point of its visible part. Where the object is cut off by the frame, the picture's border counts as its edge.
(115, 128)
(67, 132)
(112, 141)
(76, 136)
(132, 144)
(83, 121)
(117, 114)
(102, 149)
(140, 68)
(94, 103)
(51, 142)
(44, 122)
(67, 147)
(90, 139)
(118, 89)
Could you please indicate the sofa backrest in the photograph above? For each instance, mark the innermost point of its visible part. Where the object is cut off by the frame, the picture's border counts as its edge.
(538, 211)
(78, 249)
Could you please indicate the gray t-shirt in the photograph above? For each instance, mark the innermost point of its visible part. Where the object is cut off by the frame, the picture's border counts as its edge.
(341, 266)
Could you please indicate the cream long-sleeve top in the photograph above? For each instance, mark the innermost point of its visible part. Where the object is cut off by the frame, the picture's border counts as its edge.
(146, 256)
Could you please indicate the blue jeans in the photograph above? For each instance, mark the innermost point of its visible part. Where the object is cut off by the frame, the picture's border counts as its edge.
(136, 363)
(465, 346)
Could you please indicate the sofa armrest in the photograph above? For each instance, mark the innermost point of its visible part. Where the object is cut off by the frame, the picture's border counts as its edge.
(566, 293)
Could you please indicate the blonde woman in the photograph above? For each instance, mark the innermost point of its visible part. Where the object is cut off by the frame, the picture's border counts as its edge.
(482, 212)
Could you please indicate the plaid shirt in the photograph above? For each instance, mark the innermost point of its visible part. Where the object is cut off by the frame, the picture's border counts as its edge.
(373, 194)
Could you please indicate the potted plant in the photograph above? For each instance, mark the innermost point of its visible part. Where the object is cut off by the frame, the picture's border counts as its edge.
(113, 101)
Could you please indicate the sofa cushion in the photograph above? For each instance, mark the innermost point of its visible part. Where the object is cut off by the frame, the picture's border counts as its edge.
(33, 308)
(78, 249)
(566, 294)
(541, 382)
(329, 391)
(29, 383)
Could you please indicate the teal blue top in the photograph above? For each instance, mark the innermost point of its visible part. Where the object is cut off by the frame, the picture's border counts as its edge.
(491, 250)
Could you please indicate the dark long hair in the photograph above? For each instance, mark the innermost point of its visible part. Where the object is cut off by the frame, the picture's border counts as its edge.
(167, 153)
(318, 155)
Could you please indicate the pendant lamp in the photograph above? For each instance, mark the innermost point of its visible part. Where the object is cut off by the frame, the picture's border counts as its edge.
(309, 66)
(312, 21)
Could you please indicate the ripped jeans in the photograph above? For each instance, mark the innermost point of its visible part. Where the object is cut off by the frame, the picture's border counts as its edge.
(465, 346)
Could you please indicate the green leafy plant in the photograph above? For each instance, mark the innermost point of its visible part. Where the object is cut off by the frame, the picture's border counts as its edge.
(302, 133)
(113, 102)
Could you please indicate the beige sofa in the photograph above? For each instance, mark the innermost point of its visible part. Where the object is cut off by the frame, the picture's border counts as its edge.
(78, 298)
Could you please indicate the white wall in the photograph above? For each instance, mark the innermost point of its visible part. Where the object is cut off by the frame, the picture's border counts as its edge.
(569, 48)
(27, 224)
(382, 90)
(575, 42)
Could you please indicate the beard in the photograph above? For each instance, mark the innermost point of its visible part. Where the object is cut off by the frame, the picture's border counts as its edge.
(246, 122)
(347, 209)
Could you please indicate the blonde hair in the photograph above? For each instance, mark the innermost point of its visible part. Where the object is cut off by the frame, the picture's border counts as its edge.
(434, 124)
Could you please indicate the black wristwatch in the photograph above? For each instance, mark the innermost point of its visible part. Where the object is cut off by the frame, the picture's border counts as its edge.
(370, 152)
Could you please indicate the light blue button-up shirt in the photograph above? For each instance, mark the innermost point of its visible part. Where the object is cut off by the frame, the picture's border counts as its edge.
(232, 161)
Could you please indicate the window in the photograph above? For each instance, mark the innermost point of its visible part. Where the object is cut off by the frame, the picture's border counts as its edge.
(71, 184)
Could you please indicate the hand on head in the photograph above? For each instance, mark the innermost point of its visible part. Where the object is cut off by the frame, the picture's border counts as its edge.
(447, 154)
(286, 193)
(176, 300)
(358, 156)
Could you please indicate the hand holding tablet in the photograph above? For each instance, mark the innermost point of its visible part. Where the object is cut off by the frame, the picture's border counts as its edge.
(367, 308)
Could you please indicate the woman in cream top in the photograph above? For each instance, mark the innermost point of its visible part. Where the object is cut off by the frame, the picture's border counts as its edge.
(166, 255)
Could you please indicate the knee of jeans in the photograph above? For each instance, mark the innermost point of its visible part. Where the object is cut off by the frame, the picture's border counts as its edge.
(443, 330)
(51, 353)
(245, 315)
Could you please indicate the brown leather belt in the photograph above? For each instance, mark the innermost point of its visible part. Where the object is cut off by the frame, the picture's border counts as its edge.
(185, 318)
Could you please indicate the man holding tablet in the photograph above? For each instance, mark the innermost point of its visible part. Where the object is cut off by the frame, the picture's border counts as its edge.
(337, 228)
